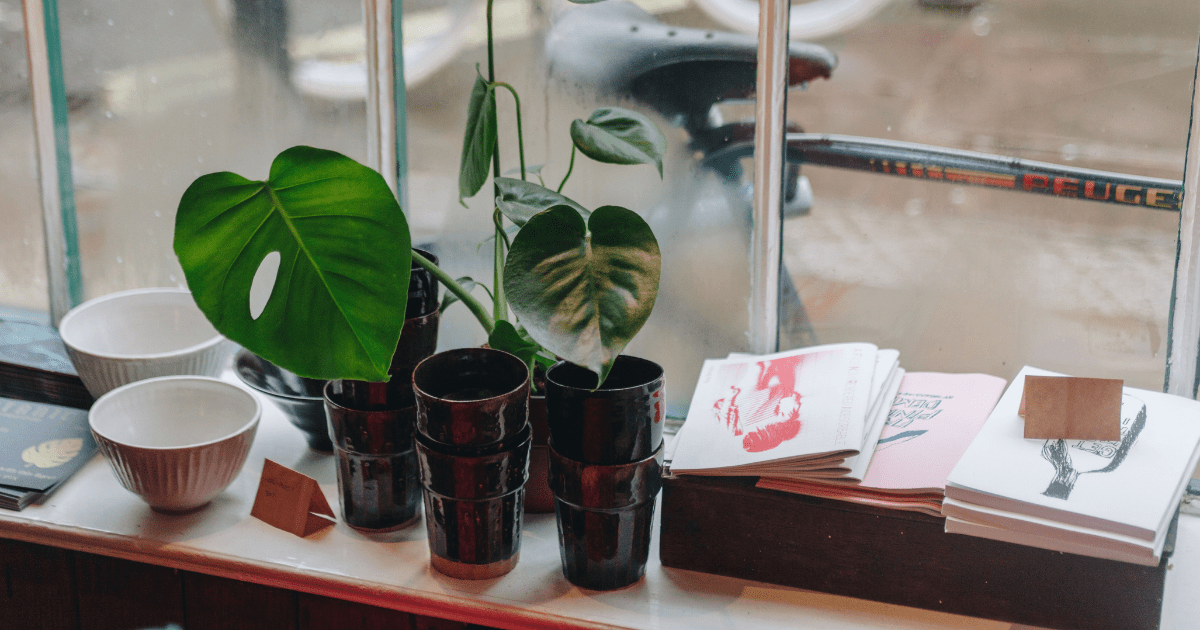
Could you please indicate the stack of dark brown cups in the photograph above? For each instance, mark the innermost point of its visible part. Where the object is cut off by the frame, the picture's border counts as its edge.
(371, 424)
(473, 441)
(606, 460)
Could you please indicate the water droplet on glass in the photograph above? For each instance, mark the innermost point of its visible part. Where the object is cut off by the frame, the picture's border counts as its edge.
(889, 127)
(110, 22)
(120, 261)
(172, 278)
(981, 26)
(158, 213)
(958, 196)
(154, 79)
(199, 159)
(1069, 152)
(170, 11)
(203, 114)
(108, 114)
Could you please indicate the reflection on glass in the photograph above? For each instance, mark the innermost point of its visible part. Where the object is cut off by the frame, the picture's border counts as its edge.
(969, 279)
(168, 91)
(566, 60)
(22, 249)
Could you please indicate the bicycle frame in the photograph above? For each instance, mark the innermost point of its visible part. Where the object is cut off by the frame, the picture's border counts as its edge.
(918, 161)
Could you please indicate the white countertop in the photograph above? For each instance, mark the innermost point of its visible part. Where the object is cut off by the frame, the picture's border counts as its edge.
(93, 513)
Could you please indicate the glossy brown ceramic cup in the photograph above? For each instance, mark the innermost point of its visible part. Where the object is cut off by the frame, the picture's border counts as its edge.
(474, 507)
(372, 438)
(471, 398)
(605, 514)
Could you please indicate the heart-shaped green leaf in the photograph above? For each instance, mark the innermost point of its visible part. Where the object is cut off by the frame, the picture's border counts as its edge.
(519, 200)
(619, 136)
(479, 140)
(337, 303)
(583, 291)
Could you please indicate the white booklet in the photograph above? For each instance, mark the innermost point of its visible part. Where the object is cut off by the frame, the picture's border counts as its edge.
(1130, 487)
(787, 408)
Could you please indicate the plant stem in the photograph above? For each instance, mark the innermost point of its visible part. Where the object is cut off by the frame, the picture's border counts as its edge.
(499, 302)
(520, 134)
(477, 309)
(570, 167)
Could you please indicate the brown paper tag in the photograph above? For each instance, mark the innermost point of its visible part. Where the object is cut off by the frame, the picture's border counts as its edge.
(1072, 408)
(291, 501)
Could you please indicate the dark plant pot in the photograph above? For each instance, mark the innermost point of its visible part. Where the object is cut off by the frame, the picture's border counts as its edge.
(299, 399)
(376, 459)
(418, 338)
(605, 514)
(474, 507)
(471, 398)
(538, 497)
(618, 423)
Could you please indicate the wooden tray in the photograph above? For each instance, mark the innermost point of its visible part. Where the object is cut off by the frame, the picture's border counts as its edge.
(729, 527)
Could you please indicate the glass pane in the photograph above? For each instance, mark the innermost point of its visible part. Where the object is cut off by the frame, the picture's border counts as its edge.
(972, 279)
(22, 249)
(566, 60)
(167, 91)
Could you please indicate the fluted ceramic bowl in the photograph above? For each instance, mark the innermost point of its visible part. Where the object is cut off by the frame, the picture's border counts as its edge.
(176, 441)
(128, 336)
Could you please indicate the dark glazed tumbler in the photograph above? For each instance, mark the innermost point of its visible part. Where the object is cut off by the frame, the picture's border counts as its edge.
(605, 514)
(376, 460)
(618, 423)
(474, 508)
(471, 398)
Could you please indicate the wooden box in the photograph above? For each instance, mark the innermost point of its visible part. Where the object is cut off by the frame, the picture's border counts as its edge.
(729, 527)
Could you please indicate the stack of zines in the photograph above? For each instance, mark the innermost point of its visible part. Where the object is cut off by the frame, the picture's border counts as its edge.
(813, 413)
(42, 445)
(932, 420)
(1110, 500)
(34, 364)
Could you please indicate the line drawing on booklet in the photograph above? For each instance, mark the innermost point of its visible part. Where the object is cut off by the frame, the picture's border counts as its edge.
(1067, 460)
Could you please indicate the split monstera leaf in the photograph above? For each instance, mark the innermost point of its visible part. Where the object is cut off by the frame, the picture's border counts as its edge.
(581, 283)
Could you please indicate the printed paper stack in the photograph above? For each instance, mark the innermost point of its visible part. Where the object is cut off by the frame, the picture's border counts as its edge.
(1106, 499)
(40, 447)
(932, 421)
(808, 411)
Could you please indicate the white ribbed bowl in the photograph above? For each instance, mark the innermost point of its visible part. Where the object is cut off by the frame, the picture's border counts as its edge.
(176, 441)
(128, 336)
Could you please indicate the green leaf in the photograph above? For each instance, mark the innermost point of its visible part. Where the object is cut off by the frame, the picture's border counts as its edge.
(468, 284)
(583, 290)
(619, 136)
(337, 304)
(506, 337)
(519, 200)
(479, 140)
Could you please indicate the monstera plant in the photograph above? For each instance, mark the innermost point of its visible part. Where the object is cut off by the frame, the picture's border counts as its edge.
(580, 282)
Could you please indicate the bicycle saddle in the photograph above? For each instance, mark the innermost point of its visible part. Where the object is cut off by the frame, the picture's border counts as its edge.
(616, 48)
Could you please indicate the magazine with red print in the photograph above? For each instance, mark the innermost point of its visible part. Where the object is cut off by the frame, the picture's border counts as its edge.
(803, 409)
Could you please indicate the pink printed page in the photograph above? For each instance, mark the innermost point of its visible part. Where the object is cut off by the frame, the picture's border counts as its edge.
(785, 406)
(932, 422)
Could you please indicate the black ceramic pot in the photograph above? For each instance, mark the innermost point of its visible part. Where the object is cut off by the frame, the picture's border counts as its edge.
(376, 460)
(471, 398)
(619, 423)
(605, 514)
(300, 399)
(474, 507)
(418, 338)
